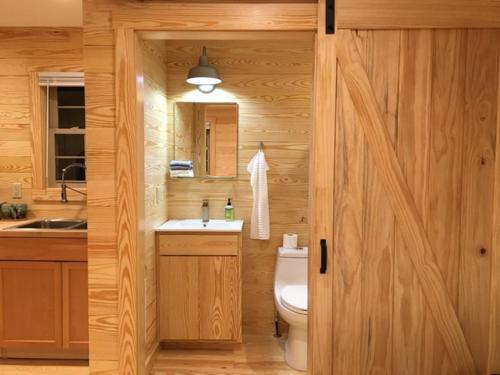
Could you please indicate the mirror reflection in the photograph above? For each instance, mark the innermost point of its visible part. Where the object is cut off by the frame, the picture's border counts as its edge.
(206, 140)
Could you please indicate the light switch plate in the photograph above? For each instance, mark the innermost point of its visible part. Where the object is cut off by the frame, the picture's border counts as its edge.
(157, 195)
(17, 192)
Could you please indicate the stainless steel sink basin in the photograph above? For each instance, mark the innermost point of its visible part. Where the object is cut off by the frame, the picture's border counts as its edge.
(53, 224)
(80, 226)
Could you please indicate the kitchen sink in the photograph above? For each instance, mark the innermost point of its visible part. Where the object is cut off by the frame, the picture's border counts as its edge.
(53, 224)
(82, 225)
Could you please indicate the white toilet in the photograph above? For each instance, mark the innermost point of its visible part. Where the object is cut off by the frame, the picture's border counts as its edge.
(290, 296)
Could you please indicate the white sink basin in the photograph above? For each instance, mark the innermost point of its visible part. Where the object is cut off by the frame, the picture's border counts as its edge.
(196, 225)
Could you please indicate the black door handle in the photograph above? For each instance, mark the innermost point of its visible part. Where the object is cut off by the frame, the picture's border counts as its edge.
(323, 256)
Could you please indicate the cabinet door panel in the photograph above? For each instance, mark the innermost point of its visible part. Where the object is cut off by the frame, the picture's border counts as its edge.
(30, 300)
(179, 316)
(75, 306)
(220, 298)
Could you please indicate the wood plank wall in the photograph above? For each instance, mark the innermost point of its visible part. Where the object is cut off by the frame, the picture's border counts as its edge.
(22, 51)
(155, 176)
(404, 14)
(101, 174)
(272, 83)
(438, 91)
(98, 37)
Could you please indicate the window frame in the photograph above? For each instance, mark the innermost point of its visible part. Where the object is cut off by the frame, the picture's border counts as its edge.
(41, 189)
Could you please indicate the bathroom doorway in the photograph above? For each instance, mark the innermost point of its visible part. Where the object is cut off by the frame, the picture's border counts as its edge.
(269, 76)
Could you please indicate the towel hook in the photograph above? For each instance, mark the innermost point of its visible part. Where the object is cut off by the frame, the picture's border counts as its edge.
(261, 146)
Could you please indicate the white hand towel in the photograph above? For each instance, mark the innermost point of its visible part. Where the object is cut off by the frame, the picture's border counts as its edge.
(259, 225)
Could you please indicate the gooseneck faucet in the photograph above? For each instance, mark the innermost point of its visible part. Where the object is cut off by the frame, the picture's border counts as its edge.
(64, 187)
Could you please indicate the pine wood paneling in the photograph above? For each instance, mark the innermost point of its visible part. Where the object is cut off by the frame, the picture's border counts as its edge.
(178, 16)
(321, 199)
(413, 153)
(129, 175)
(155, 177)
(400, 14)
(481, 93)
(274, 99)
(224, 124)
(444, 92)
(494, 349)
(380, 53)
(445, 169)
(103, 228)
(23, 53)
(348, 230)
(413, 150)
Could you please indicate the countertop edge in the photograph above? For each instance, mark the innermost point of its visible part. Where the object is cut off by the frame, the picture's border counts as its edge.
(6, 230)
(241, 223)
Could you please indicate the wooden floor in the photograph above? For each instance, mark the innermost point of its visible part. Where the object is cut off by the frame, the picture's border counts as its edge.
(258, 355)
(42, 367)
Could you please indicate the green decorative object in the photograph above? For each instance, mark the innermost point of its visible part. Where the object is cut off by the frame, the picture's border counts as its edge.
(14, 210)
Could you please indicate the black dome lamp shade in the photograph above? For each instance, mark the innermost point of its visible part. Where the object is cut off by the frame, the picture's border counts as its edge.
(204, 75)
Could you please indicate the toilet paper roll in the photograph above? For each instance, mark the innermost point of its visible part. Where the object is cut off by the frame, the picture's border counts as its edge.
(290, 240)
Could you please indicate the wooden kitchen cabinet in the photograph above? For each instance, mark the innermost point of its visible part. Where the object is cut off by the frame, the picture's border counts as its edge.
(75, 307)
(43, 307)
(30, 295)
(200, 293)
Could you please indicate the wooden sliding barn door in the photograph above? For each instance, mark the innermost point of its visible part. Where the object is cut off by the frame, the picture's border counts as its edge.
(411, 258)
(322, 168)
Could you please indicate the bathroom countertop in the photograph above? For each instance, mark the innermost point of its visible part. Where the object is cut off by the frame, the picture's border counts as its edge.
(196, 225)
(6, 231)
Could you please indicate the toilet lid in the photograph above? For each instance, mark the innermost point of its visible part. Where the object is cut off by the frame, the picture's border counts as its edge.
(294, 297)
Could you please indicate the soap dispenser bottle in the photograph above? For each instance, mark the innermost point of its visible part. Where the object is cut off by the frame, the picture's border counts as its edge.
(229, 211)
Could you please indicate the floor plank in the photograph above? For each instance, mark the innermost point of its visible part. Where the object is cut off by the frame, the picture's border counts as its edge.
(43, 367)
(257, 355)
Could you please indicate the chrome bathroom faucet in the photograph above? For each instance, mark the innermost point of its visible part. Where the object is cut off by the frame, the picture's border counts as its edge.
(204, 211)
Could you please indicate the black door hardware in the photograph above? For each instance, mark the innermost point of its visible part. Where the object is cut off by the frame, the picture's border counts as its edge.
(323, 256)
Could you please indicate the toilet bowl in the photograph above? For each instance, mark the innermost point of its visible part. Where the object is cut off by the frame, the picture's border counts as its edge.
(290, 296)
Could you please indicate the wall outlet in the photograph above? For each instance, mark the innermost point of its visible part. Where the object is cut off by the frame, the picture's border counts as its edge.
(17, 190)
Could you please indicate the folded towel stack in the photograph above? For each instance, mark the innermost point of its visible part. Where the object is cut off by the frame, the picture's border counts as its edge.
(181, 165)
(181, 168)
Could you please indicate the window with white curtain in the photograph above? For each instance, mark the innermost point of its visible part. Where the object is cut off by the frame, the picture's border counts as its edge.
(65, 126)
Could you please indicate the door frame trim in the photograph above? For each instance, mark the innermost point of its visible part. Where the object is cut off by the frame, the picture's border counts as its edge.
(127, 28)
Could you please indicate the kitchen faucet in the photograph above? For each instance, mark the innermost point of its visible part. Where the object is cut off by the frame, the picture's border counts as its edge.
(64, 193)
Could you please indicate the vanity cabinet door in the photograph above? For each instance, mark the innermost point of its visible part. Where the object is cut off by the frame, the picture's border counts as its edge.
(200, 298)
(219, 298)
(30, 305)
(75, 307)
(179, 293)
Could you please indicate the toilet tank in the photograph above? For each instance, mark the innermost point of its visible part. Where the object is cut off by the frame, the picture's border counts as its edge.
(291, 266)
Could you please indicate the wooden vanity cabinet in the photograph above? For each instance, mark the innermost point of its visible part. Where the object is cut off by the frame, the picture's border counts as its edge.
(200, 287)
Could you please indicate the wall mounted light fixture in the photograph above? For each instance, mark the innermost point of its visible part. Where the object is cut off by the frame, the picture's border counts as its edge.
(204, 75)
